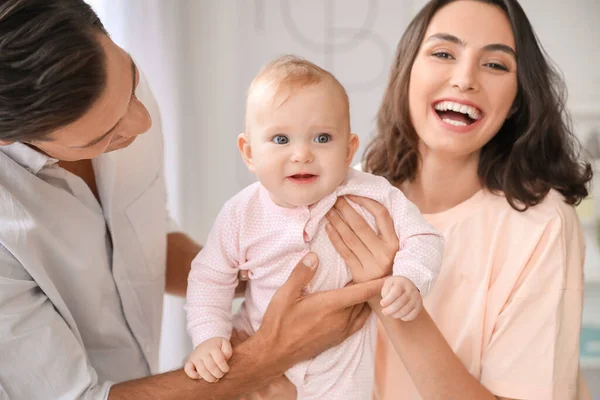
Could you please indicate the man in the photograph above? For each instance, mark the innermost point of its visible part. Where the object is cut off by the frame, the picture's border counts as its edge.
(85, 256)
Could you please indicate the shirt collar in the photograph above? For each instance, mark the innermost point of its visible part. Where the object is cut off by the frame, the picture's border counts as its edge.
(27, 157)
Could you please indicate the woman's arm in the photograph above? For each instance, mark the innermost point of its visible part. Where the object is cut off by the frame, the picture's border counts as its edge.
(295, 328)
(434, 368)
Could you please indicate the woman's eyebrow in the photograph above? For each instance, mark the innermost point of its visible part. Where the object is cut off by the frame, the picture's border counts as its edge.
(490, 47)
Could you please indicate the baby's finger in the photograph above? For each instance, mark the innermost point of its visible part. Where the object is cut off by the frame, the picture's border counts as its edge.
(404, 311)
(395, 291)
(226, 349)
(396, 305)
(391, 297)
(212, 367)
(190, 370)
(388, 284)
(411, 315)
(219, 359)
(205, 374)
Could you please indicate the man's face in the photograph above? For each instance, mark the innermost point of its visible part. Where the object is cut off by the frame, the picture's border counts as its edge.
(114, 120)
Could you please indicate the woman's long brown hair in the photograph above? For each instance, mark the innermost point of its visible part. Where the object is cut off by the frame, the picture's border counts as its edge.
(534, 151)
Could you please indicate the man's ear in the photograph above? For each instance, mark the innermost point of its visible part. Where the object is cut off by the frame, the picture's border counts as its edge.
(353, 143)
(245, 150)
(6, 142)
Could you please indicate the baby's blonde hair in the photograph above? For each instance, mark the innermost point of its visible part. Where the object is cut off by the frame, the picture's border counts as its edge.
(289, 72)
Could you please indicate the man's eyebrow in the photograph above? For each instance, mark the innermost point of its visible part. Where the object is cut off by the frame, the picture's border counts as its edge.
(101, 138)
(490, 47)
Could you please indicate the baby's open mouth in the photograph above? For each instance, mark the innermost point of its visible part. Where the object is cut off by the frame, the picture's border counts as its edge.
(303, 178)
(457, 114)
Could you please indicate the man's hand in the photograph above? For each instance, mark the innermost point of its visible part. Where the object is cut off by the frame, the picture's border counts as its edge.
(280, 388)
(295, 328)
(299, 326)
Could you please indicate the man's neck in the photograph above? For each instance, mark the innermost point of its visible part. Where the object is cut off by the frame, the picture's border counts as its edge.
(84, 170)
(443, 183)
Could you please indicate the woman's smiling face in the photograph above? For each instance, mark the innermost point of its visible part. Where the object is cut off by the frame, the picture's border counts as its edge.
(463, 81)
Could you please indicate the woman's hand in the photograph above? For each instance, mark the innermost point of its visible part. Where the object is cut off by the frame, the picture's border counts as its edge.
(367, 254)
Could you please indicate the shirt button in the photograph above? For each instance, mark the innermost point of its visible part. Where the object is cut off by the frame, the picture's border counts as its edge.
(147, 348)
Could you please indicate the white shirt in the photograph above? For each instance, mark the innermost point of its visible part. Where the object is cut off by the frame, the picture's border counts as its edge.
(81, 285)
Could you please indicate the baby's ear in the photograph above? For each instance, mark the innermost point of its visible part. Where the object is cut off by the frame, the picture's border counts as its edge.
(245, 150)
(6, 142)
(353, 142)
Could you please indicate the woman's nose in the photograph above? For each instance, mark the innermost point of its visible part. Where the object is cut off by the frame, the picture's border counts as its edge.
(464, 76)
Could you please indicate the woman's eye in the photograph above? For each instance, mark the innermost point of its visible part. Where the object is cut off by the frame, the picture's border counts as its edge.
(497, 66)
(280, 139)
(323, 138)
(442, 54)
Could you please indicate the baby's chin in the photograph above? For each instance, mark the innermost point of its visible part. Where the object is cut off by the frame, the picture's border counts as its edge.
(294, 203)
(308, 203)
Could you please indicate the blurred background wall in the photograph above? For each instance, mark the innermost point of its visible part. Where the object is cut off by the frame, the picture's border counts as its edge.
(200, 55)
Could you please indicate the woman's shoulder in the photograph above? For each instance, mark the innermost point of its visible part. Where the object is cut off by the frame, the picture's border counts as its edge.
(491, 211)
(552, 225)
(552, 208)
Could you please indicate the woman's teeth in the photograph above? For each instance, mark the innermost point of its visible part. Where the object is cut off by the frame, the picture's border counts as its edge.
(470, 111)
(453, 122)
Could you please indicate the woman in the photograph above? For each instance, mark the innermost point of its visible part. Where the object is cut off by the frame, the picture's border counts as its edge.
(473, 130)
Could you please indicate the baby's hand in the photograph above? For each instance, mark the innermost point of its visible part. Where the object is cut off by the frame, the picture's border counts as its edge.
(400, 298)
(209, 360)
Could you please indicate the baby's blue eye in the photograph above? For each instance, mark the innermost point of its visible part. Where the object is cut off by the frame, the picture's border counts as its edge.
(280, 139)
(323, 138)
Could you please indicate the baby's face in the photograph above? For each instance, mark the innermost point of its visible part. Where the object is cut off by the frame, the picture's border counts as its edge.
(301, 150)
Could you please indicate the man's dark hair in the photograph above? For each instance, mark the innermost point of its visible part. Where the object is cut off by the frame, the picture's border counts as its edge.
(52, 66)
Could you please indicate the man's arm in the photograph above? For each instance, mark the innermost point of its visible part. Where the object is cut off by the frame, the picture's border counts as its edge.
(295, 328)
(181, 250)
(252, 366)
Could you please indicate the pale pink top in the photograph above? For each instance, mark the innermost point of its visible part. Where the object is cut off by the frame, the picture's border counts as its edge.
(254, 234)
(508, 300)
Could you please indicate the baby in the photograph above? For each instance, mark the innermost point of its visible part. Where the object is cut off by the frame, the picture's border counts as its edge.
(299, 145)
